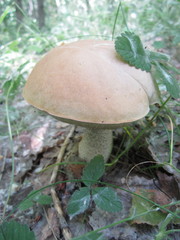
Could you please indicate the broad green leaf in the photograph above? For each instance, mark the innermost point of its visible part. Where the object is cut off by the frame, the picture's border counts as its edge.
(139, 206)
(93, 170)
(130, 48)
(15, 231)
(90, 236)
(168, 80)
(79, 202)
(107, 199)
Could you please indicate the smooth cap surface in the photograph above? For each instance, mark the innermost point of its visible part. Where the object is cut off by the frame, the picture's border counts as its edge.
(86, 83)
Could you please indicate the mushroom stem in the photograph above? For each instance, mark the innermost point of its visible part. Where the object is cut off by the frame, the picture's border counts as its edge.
(96, 142)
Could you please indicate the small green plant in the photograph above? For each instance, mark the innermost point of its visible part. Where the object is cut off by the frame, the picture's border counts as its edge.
(104, 197)
(15, 231)
(130, 48)
(163, 232)
(35, 198)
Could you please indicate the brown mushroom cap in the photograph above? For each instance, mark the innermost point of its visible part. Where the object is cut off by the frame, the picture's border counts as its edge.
(86, 83)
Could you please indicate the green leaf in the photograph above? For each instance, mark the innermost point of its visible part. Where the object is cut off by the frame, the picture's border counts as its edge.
(140, 206)
(24, 205)
(15, 231)
(5, 13)
(168, 80)
(35, 48)
(94, 170)
(79, 202)
(32, 199)
(130, 48)
(90, 236)
(28, 201)
(11, 85)
(107, 199)
(14, 46)
(176, 39)
(159, 44)
(155, 56)
(20, 68)
(43, 199)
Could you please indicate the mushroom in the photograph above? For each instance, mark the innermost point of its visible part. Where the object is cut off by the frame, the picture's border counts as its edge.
(87, 84)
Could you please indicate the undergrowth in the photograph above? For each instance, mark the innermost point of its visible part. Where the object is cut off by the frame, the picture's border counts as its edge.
(18, 58)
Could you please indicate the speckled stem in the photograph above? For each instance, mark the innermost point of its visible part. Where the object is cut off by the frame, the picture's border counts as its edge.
(94, 142)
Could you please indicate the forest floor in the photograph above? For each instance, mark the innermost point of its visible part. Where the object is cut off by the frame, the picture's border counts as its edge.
(137, 171)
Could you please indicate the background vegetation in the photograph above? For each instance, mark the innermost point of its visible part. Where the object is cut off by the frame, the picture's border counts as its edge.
(28, 29)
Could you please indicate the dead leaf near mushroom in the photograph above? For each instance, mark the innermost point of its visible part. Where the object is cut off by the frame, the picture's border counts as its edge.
(169, 185)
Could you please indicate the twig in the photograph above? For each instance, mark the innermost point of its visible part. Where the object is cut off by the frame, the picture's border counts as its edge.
(57, 204)
(64, 226)
(60, 156)
(127, 176)
(49, 224)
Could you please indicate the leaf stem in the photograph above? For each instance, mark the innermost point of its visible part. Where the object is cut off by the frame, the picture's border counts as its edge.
(162, 229)
(124, 18)
(171, 142)
(115, 21)
(11, 147)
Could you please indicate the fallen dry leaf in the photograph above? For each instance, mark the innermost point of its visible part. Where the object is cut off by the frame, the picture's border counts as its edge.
(169, 185)
(152, 215)
(38, 138)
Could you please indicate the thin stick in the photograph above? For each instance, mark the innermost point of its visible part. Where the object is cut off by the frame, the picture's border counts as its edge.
(49, 224)
(57, 204)
(62, 221)
(127, 176)
(60, 156)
